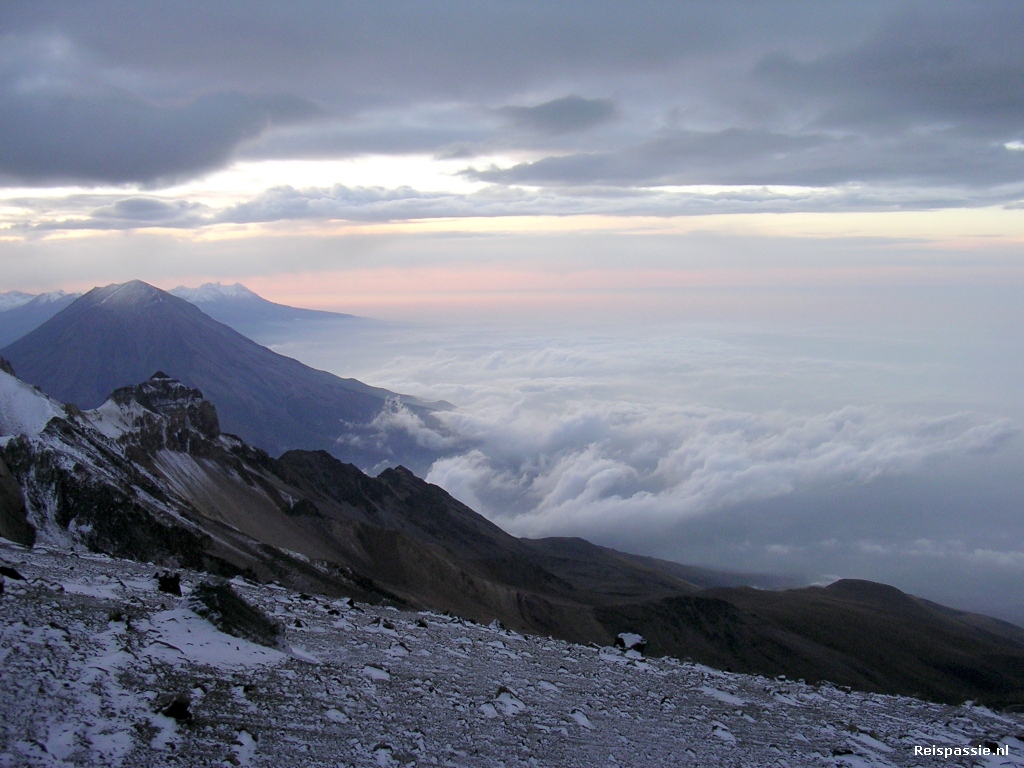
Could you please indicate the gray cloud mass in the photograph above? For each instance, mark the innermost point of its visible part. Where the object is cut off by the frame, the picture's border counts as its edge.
(885, 94)
(727, 450)
(61, 125)
(566, 115)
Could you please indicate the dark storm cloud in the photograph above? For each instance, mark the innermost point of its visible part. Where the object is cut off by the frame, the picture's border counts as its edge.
(566, 115)
(959, 65)
(114, 137)
(889, 94)
(757, 156)
(396, 51)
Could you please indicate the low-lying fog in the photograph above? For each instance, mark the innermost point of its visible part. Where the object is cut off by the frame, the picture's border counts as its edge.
(868, 434)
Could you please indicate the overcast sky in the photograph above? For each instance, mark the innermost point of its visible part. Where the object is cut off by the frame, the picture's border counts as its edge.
(841, 184)
(195, 123)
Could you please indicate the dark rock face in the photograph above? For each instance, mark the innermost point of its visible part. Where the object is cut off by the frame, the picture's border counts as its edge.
(218, 603)
(177, 707)
(6, 367)
(11, 573)
(169, 583)
(178, 417)
(109, 516)
(14, 524)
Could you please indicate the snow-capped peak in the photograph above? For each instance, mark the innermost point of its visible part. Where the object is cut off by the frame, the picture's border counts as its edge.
(50, 297)
(208, 292)
(134, 292)
(12, 299)
(24, 410)
(134, 409)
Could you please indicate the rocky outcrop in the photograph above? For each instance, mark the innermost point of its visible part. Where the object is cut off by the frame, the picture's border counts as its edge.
(14, 524)
(163, 414)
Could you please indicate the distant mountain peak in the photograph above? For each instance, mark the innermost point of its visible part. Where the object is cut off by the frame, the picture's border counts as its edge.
(122, 333)
(132, 293)
(52, 296)
(12, 299)
(209, 292)
(21, 313)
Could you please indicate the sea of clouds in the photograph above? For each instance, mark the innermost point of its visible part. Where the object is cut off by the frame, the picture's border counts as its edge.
(822, 454)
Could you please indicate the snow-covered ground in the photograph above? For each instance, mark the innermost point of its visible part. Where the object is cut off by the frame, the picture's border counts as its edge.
(92, 656)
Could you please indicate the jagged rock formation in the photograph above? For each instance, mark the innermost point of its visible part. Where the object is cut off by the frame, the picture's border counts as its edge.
(149, 475)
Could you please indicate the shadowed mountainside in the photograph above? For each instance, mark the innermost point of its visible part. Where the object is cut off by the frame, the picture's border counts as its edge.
(866, 635)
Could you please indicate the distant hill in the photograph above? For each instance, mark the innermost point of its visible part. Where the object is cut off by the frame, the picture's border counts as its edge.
(251, 314)
(117, 335)
(18, 317)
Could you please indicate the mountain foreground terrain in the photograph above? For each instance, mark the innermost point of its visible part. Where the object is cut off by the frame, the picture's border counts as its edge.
(119, 335)
(104, 665)
(149, 476)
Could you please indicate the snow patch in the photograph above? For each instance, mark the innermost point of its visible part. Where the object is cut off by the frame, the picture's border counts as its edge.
(24, 410)
(179, 636)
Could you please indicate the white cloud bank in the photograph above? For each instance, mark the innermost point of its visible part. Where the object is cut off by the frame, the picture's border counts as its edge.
(601, 466)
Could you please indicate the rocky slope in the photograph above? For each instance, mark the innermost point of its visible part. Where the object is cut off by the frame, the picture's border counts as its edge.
(101, 667)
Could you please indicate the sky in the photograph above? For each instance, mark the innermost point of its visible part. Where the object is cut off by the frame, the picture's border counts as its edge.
(729, 282)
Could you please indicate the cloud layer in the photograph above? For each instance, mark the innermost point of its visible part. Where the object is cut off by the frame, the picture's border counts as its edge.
(904, 104)
(750, 451)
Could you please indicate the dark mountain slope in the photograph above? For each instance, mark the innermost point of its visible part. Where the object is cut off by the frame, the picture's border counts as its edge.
(605, 576)
(859, 633)
(118, 335)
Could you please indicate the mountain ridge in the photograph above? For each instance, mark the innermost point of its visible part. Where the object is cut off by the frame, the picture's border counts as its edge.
(21, 317)
(149, 475)
(234, 305)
